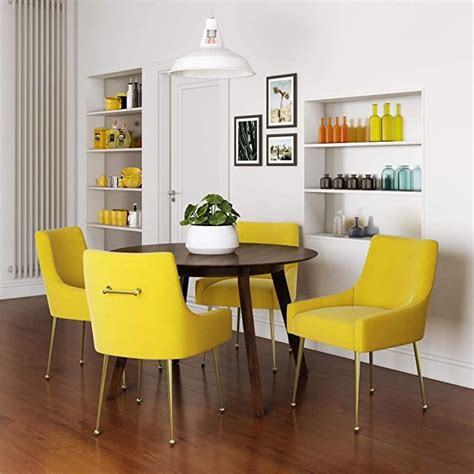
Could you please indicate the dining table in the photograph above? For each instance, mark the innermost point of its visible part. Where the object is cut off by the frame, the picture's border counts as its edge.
(247, 261)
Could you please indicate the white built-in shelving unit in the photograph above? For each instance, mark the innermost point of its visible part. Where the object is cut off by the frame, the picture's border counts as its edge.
(110, 162)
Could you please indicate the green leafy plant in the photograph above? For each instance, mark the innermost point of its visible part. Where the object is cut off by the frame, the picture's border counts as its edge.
(213, 210)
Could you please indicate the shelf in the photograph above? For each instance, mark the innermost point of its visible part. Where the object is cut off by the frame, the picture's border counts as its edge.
(113, 150)
(377, 192)
(103, 188)
(375, 96)
(135, 110)
(361, 144)
(341, 239)
(115, 227)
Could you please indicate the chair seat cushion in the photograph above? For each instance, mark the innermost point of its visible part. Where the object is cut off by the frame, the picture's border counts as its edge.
(225, 292)
(333, 325)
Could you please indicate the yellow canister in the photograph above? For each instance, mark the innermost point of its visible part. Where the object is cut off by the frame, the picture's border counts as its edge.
(111, 103)
(111, 138)
(107, 216)
(99, 137)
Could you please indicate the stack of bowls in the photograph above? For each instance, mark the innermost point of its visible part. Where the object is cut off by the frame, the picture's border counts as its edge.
(131, 177)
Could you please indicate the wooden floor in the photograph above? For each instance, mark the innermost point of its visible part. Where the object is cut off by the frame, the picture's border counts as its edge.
(48, 426)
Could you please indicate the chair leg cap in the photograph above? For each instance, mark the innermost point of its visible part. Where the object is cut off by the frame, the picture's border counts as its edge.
(124, 387)
(356, 429)
(274, 369)
(221, 410)
(290, 350)
(425, 407)
(293, 404)
(139, 400)
(47, 377)
(372, 390)
(172, 442)
(96, 432)
(203, 363)
(81, 362)
(237, 346)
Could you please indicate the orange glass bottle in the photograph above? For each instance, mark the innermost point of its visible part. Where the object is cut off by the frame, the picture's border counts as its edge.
(345, 132)
(322, 132)
(329, 132)
(337, 131)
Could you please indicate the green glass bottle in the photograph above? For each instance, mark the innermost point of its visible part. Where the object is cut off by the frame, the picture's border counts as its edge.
(375, 126)
(387, 123)
(398, 125)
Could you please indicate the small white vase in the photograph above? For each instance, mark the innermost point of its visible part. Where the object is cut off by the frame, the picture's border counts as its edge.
(212, 240)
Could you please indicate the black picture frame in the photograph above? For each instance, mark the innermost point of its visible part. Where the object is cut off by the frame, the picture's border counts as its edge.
(270, 79)
(237, 143)
(294, 138)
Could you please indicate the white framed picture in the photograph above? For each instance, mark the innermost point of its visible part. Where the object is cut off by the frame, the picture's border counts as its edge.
(282, 150)
(248, 140)
(281, 101)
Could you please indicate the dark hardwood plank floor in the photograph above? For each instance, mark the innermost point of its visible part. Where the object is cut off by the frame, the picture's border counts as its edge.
(48, 426)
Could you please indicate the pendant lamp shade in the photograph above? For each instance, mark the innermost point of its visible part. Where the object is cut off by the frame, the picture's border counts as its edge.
(212, 60)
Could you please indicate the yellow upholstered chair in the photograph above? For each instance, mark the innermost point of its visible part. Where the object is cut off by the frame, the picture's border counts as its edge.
(387, 307)
(138, 311)
(60, 254)
(225, 291)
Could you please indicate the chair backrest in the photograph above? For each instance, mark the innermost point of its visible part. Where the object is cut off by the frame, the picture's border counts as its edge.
(278, 233)
(60, 254)
(142, 326)
(397, 271)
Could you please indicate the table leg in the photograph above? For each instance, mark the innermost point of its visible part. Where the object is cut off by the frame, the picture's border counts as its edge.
(284, 298)
(184, 280)
(250, 341)
(115, 384)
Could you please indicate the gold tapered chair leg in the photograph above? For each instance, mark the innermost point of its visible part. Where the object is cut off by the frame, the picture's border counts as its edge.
(356, 389)
(420, 377)
(297, 371)
(101, 394)
(83, 336)
(272, 336)
(139, 383)
(371, 366)
(237, 345)
(215, 354)
(169, 367)
(51, 345)
(124, 381)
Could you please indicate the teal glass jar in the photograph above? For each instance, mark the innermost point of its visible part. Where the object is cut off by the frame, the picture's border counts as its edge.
(404, 178)
(416, 179)
(388, 178)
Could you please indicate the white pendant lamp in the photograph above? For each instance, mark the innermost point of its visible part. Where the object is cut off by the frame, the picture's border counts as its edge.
(212, 60)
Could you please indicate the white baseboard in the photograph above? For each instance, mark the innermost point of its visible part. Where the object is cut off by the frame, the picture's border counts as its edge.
(21, 289)
(447, 370)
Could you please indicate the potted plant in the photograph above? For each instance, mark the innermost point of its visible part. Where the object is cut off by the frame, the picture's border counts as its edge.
(212, 226)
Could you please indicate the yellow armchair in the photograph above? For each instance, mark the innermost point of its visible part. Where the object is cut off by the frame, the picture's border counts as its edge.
(138, 311)
(60, 253)
(387, 307)
(225, 292)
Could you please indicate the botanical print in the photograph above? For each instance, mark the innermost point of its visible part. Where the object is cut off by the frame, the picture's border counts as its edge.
(281, 101)
(247, 138)
(281, 150)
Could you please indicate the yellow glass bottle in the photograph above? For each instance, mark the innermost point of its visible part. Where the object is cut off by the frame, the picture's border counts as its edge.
(337, 131)
(329, 131)
(353, 131)
(322, 132)
(387, 123)
(360, 131)
(345, 132)
(398, 125)
(375, 125)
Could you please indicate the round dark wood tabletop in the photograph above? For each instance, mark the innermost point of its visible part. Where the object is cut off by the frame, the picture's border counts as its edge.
(257, 258)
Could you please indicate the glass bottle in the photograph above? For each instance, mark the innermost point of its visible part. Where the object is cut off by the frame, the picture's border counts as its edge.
(339, 182)
(353, 182)
(360, 131)
(353, 131)
(322, 132)
(388, 178)
(366, 129)
(337, 131)
(370, 229)
(368, 183)
(339, 225)
(345, 131)
(375, 126)
(329, 132)
(326, 182)
(404, 178)
(398, 125)
(356, 231)
(387, 123)
(416, 179)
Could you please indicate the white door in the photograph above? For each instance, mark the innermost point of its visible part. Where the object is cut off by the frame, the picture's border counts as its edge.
(199, 148)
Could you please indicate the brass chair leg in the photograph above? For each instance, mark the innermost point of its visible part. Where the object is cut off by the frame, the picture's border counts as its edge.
(215, 354)
(101, 393)
(51, 344)
(297, 371)
(371, 366)
(272, 336)
(124, 381)
(356, 389)
(139, 383)
(237, 345)
(83, 336)
(169, 366)
(420, 377)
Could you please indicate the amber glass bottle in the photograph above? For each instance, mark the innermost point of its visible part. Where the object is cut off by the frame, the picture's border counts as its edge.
(387, 123)
(398, 125)
(353, 131)
(322, 132)
(345, 132)
(375, 125)
(329, 132)
(337, 131)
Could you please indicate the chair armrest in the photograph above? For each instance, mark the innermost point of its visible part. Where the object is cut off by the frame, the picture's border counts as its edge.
(391, 328)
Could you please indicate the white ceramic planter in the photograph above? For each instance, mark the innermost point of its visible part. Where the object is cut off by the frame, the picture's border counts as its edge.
(212, 240)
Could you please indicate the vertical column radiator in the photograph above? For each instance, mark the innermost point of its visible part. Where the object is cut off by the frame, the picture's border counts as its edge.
(40, 161)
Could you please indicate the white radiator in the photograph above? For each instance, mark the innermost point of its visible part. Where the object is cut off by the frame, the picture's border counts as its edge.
(40, 164)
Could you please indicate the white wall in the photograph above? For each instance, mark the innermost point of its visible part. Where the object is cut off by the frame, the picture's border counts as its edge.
(335, 48)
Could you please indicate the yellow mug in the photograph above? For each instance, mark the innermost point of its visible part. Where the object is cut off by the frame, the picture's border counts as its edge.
(102, 181)
(101, 214)
(119, 217)
(107, 217)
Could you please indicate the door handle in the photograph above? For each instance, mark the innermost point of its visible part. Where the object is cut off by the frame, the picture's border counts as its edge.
(172, 194)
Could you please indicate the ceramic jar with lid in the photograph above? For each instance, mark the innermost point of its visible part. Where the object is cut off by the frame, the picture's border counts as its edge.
(326, 182)
(353, 182)
(368, 183)
(339, 182)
